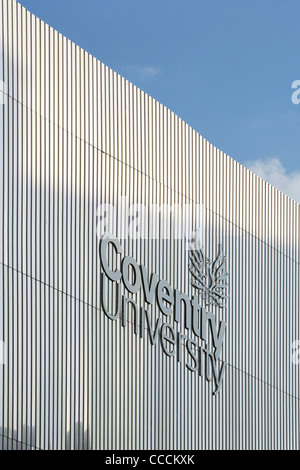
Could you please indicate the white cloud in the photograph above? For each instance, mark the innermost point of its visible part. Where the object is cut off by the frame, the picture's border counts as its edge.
(149, 71)
(273, 171)
(143, 72)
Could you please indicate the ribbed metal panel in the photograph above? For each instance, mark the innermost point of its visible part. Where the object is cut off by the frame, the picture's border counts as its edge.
(74, 134)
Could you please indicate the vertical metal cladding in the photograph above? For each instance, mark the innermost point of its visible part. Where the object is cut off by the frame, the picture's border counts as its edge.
(74, 134)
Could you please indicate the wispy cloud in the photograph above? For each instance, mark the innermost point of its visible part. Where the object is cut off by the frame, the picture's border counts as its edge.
(273, 171)
(143, 72)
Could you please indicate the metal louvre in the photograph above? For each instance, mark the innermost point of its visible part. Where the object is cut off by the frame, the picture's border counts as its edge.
(74, 134)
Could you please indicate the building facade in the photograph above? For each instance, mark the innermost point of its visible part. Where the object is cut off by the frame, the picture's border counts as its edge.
(176, 331)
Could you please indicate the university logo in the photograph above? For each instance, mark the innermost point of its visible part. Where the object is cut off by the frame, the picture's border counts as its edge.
(209, 277)
(153, 308)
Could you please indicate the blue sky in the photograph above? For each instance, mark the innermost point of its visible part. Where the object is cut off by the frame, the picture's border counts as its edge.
(226, 67)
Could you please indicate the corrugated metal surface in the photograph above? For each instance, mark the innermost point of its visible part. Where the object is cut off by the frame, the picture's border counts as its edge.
(75, 134)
